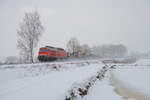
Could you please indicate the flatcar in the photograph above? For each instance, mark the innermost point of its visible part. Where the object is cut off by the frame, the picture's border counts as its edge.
(49, 53)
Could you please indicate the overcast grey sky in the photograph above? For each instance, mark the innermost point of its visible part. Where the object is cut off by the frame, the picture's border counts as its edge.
(94, 22)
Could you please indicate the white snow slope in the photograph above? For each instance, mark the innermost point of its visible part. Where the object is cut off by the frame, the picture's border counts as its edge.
(102, 90)
(51, 86)
(132, 81)
(51, 81)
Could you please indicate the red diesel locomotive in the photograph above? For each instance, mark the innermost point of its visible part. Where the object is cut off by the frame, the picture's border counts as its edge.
(49, 53)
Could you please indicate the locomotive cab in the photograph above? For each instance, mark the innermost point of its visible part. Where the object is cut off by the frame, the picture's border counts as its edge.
(42, 54)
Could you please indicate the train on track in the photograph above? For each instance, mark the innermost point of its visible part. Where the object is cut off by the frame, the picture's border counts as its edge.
(49, 53)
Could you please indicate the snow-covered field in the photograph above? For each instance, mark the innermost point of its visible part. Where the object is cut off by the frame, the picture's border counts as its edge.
(52, 81)
(132, 81)
(102, 90)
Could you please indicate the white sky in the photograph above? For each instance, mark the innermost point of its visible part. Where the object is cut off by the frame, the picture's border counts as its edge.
(94, 22)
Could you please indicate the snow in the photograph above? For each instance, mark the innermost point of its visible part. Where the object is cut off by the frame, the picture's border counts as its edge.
(102, 90)
(52, 81)
(128, 81)
(143, 62)
(132, 81)
(51, 86)
(10, 72)
(136, 78)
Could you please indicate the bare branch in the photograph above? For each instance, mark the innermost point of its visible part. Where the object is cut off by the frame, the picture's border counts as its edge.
(29, 34)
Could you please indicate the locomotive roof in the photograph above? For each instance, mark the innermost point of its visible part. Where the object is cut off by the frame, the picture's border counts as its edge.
(54, 48)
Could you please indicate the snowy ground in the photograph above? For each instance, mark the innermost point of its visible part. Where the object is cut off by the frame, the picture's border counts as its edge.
(132, 81)
(43, 82)
(52, 81)
(102, 90)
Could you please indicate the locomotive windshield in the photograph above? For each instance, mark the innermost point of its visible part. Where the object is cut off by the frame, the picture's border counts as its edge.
(43, 50)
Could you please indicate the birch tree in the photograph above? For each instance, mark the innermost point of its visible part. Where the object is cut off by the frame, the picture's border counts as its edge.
(73, 47)
(29, 34)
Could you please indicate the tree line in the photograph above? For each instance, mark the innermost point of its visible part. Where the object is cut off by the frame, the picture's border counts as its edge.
(102, 51)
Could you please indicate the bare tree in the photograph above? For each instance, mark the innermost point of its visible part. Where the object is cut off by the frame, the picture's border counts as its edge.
(73, 47)
(29, 34)
(85, 50)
